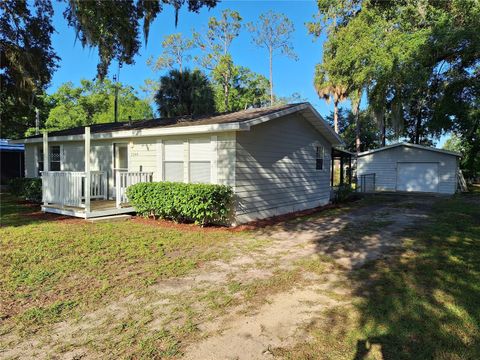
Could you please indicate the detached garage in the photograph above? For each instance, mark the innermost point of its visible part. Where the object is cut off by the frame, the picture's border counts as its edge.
(408, 168)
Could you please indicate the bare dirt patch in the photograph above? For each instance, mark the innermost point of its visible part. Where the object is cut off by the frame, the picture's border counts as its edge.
(260, 299)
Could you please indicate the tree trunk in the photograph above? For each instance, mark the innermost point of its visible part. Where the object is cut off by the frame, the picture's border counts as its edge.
(383, 132)
(335, 116)
(271, 77)
(418, 124)
(226, 91)
(357, 123)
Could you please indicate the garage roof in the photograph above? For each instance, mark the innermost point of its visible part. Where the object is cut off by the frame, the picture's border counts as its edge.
(453, 153)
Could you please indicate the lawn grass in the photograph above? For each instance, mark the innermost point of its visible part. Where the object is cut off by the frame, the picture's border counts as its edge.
(423, 304)
(54, 268)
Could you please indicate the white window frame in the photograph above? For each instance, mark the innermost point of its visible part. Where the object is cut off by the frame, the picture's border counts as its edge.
(317, 147)
(60, 160)
(163, 145)
(160, 159)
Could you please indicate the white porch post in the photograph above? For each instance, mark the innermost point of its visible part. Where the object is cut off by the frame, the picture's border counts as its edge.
(46, 166)
(87, 169)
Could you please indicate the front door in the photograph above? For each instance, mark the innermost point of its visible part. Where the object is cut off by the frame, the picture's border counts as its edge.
(120, 161)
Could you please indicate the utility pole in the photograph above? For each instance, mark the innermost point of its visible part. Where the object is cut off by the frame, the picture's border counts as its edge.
(115, 104)
(37, 121)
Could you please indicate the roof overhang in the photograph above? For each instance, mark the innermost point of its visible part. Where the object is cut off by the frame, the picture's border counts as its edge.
(193, 129)
(305, 109)
(447, 152)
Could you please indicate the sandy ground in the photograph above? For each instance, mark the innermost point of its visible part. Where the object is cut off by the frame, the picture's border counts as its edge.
(246, 330)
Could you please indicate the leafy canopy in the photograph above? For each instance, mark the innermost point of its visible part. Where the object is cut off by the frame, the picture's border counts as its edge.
(27, 62)
(93, 103)
(273, 32)
(175, 53)
(418, 62)
(187, 93)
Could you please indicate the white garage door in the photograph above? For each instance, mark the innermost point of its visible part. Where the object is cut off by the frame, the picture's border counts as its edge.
(421, 177)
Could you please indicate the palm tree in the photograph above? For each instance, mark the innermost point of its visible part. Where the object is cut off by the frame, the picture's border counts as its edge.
(187, 93)
(356, 98)
(328, 89)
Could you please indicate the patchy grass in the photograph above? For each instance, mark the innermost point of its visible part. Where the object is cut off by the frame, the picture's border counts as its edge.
(55, 267)
(423, 304)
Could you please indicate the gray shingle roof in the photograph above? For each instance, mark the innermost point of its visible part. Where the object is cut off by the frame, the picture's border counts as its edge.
(222, 118)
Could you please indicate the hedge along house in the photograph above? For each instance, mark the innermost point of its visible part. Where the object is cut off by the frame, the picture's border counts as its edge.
(406, 167)
(277, 160)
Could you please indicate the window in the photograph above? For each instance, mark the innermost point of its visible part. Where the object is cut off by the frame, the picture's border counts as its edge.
(55, 156)
(54, 159)
(173, 164)
(200, 172)
(200, 166)
(174, 171)
(39, 160)
(319, 157)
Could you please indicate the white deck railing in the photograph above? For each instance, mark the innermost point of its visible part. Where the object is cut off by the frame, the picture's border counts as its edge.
(124, 179)
(67, 188)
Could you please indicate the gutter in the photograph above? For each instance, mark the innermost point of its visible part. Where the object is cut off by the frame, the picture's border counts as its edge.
(194, 129)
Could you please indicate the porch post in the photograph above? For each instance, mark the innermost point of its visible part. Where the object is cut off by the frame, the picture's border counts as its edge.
(46, 163)
(332, 168)
(341, 169)
(46, 167)
(87, 169)
(350, 170)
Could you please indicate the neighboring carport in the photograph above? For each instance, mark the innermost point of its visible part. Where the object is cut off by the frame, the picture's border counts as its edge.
(406, 167)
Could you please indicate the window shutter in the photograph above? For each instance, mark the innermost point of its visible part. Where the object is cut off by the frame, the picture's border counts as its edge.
(200, 157)
(173, 164)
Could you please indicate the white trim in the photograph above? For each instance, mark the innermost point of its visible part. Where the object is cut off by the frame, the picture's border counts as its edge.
(186, 161)
(421, 147)
(46, 157)
(317, 145)
(87, 168)
(86, 215)
(129, 156)
(178, 130)
(159, 161)
(314, 118)
(62, 157)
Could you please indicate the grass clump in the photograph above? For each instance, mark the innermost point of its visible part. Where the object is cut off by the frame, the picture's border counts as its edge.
(422, 304)
(45, 261)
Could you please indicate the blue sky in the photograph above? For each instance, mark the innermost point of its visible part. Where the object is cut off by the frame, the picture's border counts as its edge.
(289, 76)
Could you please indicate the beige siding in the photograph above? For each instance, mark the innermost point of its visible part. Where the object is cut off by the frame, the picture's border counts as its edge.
(275, 169)
(384, 165)
(30, 166)
(226, 158)
(143, 153)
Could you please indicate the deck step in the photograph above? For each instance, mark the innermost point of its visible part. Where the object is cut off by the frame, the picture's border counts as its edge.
(109, 218)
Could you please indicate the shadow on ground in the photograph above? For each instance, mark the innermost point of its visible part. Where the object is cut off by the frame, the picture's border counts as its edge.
(425, 302)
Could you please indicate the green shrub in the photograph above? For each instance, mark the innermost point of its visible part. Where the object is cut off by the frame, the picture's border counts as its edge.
(344, 193)
(27, 188)
(200, 203)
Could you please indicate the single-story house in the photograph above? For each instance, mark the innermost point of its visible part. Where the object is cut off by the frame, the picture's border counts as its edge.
(408, 167)
(277, 160)
(11, 161)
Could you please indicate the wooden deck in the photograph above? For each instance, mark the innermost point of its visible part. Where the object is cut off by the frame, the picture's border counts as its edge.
(98, 208)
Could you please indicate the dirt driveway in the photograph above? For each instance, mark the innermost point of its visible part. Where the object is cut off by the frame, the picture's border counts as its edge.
(261, 299)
